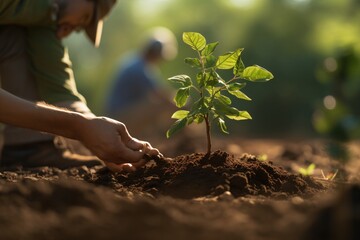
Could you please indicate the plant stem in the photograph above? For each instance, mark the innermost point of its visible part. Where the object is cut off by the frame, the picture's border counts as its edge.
(208, 133)
(206, 117)
(196, 89)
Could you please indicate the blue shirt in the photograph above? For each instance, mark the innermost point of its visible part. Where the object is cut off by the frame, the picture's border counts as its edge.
(132, 84)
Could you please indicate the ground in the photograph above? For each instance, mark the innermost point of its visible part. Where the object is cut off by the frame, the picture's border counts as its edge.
(246, 189)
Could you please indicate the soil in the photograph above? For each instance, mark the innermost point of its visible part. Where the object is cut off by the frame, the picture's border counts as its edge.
(248, 190)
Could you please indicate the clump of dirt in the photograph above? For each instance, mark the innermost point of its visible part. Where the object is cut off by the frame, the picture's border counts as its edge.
(194, 196)
(200, 175)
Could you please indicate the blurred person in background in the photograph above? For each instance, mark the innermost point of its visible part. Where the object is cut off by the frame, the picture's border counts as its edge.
(35, 67)
(136, 94)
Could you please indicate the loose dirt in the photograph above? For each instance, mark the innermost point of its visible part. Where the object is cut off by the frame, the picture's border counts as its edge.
(200, 175)
(228, 194)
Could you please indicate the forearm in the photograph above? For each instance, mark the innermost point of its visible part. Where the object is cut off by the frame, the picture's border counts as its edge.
(108, 139)
(18, 112)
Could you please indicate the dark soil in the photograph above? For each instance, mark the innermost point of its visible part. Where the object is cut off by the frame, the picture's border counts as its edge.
(199, 175)
(224, 195)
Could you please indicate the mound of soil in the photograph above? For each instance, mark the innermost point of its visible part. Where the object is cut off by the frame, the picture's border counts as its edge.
(219, 173)
(195, 196)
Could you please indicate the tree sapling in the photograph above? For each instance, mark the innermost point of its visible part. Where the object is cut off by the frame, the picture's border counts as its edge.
(307, 171)
(210, 103)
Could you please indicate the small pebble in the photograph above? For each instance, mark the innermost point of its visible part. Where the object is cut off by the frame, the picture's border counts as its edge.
(297, 200)
(226, 196)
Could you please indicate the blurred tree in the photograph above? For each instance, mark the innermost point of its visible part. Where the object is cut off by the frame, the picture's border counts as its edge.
(288, 37)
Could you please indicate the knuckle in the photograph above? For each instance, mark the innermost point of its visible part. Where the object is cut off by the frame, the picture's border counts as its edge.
(121, 126)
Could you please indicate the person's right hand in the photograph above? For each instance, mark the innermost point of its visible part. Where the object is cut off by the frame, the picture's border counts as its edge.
(110, 141)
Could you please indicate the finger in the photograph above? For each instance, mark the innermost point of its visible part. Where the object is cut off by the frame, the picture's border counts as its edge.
(148, 149)
(144, 147)
(127, 155)
(139, 164)
(113, 166)
(126, 167)
(130, 141)
(123, 132)
(136, 144)
(152, 152)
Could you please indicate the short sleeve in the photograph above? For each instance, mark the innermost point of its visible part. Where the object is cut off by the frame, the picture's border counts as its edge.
(26, 12)
(51, 66)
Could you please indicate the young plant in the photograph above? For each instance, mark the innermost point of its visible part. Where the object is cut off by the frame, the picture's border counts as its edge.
(307, 171)
(262, 157)
(211, 105)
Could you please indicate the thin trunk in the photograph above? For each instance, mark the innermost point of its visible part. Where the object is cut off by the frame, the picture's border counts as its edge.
(208, 134)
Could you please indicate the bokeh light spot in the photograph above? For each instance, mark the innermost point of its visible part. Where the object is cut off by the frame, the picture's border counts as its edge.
(330, 64)
(329, 102)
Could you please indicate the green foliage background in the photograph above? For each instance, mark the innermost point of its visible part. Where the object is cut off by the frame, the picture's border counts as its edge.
(290, 38)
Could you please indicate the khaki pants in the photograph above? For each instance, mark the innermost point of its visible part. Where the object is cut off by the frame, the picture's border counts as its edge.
(16, 78)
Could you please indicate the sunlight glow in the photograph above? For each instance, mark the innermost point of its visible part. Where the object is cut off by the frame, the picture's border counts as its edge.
(298, 3)
(301, 1)
(150, 7)
(243, 3)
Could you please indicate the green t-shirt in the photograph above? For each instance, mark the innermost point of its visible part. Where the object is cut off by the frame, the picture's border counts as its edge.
(50, 62)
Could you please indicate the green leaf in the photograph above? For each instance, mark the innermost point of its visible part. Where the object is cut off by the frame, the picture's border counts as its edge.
(223, 109)
(307, 171)
(193, 62)
(183, 80)
(199, 118)
(257, 74)
(199, 107)
(222, 125)
(182, 96)
(209, 49)
(239, 67)
(179, 124)
(212, 78)
(195, 40)
(210, 61)
(222, 98)
(228, 60)
(311, 168)
(241, 115)
(200, 79)
(235, 86)
(239, 94)
(180, 114)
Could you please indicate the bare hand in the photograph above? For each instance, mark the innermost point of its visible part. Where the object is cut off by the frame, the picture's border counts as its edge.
(144, 147)
(111, 142)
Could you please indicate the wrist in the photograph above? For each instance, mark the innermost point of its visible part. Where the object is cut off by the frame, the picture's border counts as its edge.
(77, 124)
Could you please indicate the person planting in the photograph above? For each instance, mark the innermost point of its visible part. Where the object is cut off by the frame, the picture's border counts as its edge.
(34, 68)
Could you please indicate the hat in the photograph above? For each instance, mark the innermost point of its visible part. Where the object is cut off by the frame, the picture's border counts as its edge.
(94, 29)
(161, 41)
